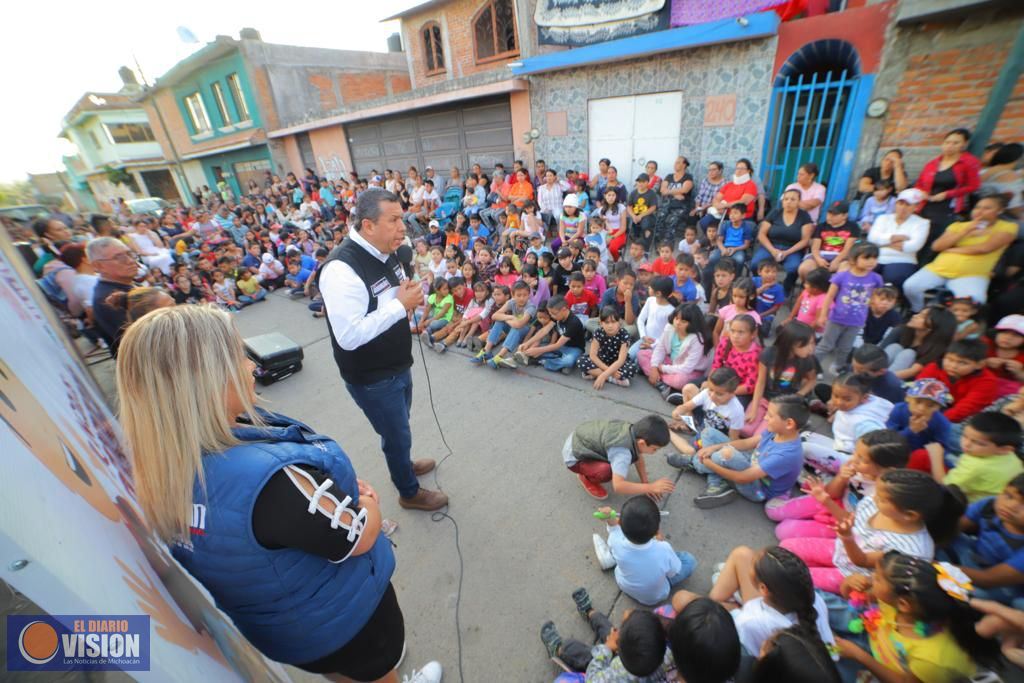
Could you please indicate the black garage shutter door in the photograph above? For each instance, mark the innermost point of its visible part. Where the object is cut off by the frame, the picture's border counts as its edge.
(479, 132)
(160, 184)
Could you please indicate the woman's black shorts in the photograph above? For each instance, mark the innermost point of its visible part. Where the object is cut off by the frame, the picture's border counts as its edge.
(372, 652)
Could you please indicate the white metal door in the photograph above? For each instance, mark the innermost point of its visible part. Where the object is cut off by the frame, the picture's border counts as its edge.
(656, 123)
(611, 132)
(634, 130)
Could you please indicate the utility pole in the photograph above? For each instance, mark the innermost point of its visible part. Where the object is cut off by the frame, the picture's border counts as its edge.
(183, 179)
(999, 96)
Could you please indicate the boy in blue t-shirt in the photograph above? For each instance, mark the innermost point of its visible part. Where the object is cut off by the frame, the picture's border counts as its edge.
(761, 468)
(686, 287)
(296, 278)
(993, 554)
(477, 229)
(770, 294)
(735, 234)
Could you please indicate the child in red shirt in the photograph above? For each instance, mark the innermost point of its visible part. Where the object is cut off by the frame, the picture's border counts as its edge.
(664, 265)
(974, 386)
(581, 301)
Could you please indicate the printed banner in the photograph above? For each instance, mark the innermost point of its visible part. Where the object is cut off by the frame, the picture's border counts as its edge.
(72, 536)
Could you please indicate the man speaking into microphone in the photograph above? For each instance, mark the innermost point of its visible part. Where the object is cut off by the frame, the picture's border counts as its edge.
(368, 297)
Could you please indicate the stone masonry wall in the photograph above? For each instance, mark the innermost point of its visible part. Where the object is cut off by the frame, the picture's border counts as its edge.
(742, 68)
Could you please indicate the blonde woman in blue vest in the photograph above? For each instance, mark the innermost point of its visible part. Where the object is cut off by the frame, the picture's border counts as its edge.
(267, 514)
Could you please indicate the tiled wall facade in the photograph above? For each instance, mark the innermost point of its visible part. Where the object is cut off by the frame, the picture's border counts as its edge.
(740, 68)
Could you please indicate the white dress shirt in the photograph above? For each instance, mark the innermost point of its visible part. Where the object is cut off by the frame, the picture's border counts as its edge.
(346, 301)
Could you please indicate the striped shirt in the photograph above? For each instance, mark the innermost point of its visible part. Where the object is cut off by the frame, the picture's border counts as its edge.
(871, 540)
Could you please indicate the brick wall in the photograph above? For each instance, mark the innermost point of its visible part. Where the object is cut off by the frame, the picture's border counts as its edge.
(400, 83)
(941, 91)
(356, 87)
(1011, 124)
(324, 86)
(455, 19)
(937, 77)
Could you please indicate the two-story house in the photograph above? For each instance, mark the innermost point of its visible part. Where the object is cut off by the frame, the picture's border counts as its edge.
(218, 103)
(464, 107)
(779, 83)
(117, 151)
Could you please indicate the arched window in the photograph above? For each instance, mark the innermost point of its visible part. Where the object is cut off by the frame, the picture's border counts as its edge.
(432, 47)
(494, 31)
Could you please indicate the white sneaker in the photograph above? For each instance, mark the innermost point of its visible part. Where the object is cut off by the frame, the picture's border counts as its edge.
(603, 552)
(430, 673)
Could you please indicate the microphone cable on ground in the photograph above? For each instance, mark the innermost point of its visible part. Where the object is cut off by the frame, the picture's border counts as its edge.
(442, 514)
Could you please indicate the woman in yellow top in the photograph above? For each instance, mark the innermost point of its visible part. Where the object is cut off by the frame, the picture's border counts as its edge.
(923, 629)
(967, 254)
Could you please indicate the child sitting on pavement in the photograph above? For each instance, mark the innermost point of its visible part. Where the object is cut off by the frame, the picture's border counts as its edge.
(565, 345)
(646, 566)
(993, 555)
(989, 444)
(714, 408)
(872, 361)
(608, 360)
(599, 451)
(920, 420)
(760, 468)
(512, 320)
(635, 653)
(962, 369)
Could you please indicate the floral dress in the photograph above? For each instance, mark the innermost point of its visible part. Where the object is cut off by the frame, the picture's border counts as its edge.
(608, 348)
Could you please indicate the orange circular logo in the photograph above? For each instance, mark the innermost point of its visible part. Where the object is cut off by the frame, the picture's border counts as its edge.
(38, 642)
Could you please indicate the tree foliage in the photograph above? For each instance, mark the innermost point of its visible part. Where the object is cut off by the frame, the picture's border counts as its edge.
(15, 193)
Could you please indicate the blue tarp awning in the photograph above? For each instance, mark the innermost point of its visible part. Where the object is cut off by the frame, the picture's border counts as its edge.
(760, 25)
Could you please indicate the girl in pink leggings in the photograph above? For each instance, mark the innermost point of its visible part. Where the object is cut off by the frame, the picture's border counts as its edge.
(682, 353)
(815, 515)
(908, 510)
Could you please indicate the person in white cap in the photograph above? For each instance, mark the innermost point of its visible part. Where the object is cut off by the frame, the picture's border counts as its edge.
(572, 223)
(968, 252)
(899, 236)
(272, 272)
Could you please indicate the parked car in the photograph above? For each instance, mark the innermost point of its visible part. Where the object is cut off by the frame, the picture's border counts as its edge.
(153, 206)
(24, 213)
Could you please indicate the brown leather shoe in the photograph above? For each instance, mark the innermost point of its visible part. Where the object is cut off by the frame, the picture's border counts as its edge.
(425, 499)
(423, 466)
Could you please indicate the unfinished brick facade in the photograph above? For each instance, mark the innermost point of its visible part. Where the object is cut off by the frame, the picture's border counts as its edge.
(456, 22)
(946, 90)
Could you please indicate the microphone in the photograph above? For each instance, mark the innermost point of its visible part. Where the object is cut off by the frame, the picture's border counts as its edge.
(404, 254)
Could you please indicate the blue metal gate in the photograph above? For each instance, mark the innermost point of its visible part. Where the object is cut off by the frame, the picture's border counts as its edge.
(805, 121)
(816, 112)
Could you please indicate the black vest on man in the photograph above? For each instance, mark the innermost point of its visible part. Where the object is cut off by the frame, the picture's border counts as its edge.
(389, 353)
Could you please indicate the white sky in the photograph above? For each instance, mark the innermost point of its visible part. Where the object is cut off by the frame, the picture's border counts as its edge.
(55, 51)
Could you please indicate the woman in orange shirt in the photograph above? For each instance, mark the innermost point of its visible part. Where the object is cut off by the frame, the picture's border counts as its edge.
(521, 190)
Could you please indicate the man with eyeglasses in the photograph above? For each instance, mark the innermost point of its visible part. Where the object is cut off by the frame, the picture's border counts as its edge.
(117, 268)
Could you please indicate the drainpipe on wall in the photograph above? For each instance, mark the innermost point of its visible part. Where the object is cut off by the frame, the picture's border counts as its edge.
(999, 96)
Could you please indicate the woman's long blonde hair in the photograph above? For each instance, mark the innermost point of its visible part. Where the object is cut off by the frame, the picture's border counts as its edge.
(174, 368)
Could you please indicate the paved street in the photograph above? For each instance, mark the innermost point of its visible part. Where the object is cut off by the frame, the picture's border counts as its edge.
(525, 524)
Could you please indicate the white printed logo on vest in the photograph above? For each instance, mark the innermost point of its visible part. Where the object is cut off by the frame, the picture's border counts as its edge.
(380, 286)
(198, 525)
